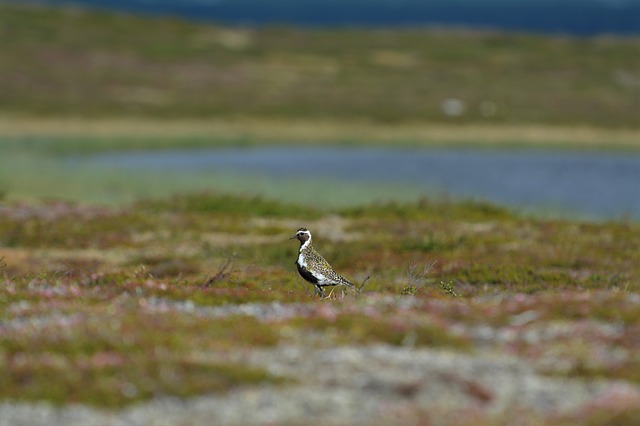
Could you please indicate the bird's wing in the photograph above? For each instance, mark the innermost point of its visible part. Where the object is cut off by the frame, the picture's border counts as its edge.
(330, 272)
(316, 262)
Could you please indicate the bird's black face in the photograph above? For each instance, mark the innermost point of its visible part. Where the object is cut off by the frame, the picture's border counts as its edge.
(302, 235)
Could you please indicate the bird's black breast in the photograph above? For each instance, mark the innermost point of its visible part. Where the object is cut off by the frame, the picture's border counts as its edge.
(306, 274)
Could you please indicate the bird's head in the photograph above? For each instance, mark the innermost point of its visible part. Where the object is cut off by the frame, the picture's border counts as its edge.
(303, 235)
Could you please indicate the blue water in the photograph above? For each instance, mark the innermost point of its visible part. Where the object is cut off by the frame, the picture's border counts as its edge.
(578, 17)
(586, 184)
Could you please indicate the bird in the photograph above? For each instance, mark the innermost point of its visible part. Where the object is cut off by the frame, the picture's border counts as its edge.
(313, 267)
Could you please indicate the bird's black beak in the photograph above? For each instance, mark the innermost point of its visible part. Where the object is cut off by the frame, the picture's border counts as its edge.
(293, 238)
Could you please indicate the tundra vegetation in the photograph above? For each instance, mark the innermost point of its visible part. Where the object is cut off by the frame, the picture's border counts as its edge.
(112, 306)
(468, 313)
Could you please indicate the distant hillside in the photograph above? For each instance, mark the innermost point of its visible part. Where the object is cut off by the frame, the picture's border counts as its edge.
(578, 17)
(69, 62)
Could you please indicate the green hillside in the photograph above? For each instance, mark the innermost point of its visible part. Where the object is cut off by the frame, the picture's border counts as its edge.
(73, 63)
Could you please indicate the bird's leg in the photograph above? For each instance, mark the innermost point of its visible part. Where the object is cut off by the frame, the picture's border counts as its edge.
(330, 293)
(319, 291)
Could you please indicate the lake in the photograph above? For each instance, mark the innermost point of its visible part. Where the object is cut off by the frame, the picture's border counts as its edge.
(593, 184)
(583, 17)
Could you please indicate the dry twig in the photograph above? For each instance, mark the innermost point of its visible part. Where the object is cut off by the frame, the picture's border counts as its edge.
(220, 275)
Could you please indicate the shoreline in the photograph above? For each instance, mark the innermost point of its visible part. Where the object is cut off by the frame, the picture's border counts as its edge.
(258, 131)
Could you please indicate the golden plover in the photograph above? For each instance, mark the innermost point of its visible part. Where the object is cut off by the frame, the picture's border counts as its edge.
(313, 267)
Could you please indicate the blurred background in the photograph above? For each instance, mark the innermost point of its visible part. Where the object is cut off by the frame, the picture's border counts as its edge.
(532, 104)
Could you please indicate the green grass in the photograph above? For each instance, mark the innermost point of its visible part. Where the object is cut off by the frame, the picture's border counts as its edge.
(112, 306)
(397, 331)
(73, 63)
(118, 356)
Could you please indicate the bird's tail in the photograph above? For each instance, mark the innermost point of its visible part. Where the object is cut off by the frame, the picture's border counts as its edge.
(347, 282)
